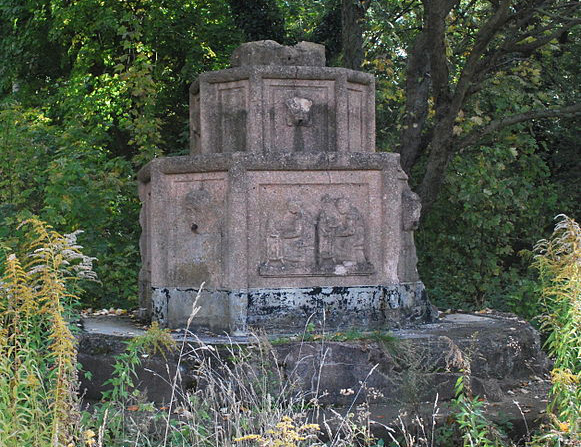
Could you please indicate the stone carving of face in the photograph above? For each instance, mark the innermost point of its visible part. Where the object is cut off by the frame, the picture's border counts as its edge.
(343, 205)
(293, 207)
(299, 111)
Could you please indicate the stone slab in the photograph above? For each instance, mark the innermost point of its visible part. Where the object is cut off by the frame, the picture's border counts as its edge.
(403, 371)
(269, 52)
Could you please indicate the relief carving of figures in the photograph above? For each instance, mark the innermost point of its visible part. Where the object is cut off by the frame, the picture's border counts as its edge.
(350, 234)
(333, 242)
(342, 237)
(327, 224)
(289, 240)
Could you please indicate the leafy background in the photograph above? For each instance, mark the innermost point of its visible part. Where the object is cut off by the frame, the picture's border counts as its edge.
(91, 90)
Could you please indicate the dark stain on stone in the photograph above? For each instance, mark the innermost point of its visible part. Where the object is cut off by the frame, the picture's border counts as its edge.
(314, 291)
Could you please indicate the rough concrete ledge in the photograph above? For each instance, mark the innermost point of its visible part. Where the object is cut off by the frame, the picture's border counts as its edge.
(316, 161)
(282, 72)
(404, 370)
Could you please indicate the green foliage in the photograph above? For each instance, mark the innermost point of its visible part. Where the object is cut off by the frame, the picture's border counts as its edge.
(154, 341)
(259, 19)
(494, 202)
(558, 263)
(87, 189)
(66, 177)
(37, 350)
(467, 412)
(100, 87)
(245, 397)
(27, 142)
(111, 417)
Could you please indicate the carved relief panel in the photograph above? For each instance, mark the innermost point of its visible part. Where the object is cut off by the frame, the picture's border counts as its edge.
(321, 226)
(299, 115)
(195, 243)
(324, 239)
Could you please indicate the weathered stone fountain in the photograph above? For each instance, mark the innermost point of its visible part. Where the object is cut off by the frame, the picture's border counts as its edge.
(283, 210)
(288, 217)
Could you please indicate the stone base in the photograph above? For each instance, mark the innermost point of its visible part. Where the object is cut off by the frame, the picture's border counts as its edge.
(408, 370)
(289, 310)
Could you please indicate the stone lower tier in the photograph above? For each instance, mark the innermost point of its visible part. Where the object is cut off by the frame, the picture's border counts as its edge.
(291, 309)
(405, 372)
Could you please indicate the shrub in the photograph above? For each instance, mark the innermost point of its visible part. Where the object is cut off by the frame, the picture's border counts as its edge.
(558, 261)
(38, 404)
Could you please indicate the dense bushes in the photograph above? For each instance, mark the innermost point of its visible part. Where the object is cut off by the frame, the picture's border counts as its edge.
(66, 177)
(76, 126)
(495, 202)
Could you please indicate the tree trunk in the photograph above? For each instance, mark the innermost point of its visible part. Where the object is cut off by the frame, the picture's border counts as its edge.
(352, 16)
(440, 152)
(417, 94)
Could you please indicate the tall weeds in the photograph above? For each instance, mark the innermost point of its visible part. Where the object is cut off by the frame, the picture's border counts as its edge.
(558, 261)
(243, 397)
(37, 351)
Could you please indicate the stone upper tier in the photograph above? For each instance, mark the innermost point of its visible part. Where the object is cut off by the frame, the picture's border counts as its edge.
(280, 99)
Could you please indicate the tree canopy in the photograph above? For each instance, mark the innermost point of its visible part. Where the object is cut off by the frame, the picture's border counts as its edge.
(480, 98)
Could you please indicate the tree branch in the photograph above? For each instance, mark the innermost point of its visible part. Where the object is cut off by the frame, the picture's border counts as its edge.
(491, 62)
(436, 12)
(476, 134)
(529, 47)
(483, 38)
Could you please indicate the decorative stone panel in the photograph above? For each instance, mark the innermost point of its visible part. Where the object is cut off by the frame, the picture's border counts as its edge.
(256, 109)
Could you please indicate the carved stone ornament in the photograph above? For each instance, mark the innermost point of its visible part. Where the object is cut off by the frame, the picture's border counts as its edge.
(330, 243)
(299, 111)
(283, 209)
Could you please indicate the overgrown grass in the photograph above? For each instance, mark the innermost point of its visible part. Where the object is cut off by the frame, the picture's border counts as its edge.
(243, 395)
(558, 261)
(37, 350)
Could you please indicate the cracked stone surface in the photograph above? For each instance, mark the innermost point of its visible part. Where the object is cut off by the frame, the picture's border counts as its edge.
(405, 369)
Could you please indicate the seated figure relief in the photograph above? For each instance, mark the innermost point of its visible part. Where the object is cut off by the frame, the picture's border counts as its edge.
(333, 242)
(341, 233)
(287, 239)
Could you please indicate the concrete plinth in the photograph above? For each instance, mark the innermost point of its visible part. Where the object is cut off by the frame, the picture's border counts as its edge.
(241, 223)
(288, 309)
(404, 370)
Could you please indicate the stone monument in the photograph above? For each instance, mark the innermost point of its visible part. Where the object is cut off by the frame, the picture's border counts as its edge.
(283, 209)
